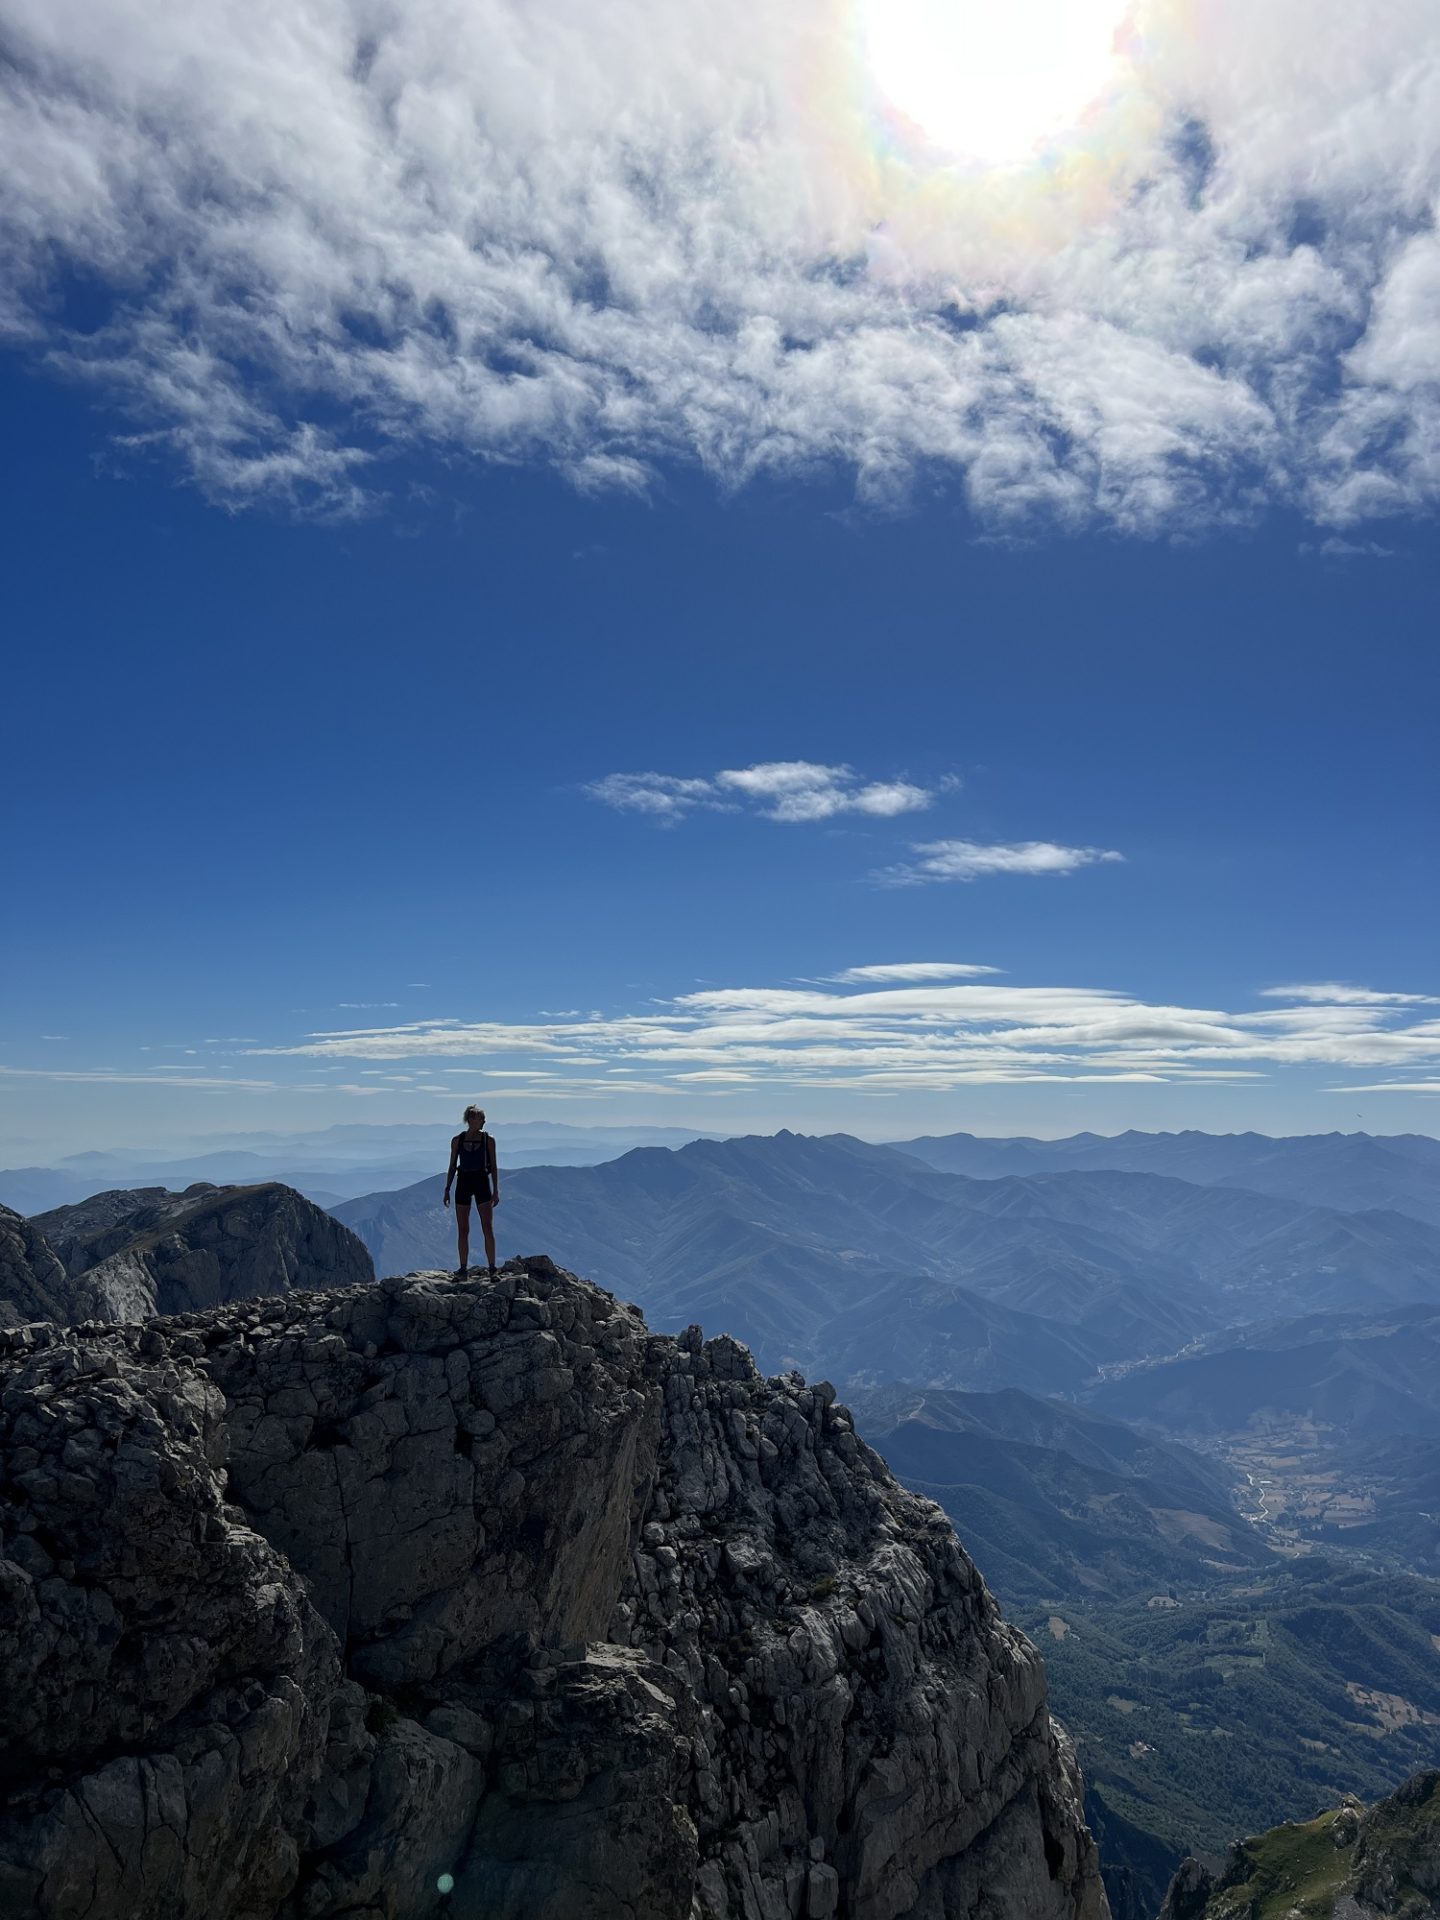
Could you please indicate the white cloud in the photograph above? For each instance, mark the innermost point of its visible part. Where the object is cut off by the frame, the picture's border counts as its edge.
(152, 1077)
(787, 790)
(909, 972)
(1335, 547)
(892, 1035)
(804, 790)
(611, 237)
(1336, 993)
(663, 796)
(1391, 1086)
(970, 860)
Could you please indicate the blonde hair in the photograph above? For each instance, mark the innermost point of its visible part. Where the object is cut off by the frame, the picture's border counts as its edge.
(474, 1113)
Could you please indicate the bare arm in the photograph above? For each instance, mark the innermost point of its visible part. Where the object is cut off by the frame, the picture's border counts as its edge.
(450, 1170)
(494, 1173)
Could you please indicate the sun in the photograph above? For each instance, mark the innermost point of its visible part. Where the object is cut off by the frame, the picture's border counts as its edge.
(994, 81)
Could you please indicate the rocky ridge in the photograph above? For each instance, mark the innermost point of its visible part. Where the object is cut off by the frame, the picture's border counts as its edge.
(131, 1253)
(1352, 1863)
(422, 1598)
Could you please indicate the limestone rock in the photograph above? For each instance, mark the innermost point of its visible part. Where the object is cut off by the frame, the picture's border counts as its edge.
(478, 1599)
(33, 1283)
(133, 1253)
(166, 1677)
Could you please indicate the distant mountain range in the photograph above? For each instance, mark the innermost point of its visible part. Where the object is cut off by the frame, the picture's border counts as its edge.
(332, 1164)
(824, 1252)
(1052, 1501)
(1352, 1172)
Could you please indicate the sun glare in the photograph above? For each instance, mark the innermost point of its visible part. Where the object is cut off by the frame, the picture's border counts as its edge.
(992, 80)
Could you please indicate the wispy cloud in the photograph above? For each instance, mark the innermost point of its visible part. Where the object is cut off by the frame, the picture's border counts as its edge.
(1391, 1086)
(788, 790)
(665, 797)
(152, 1077)
(909, 972)
(904, 1033)
(1336, 993)
(1337, 548)
(606, 238)
(937, 860)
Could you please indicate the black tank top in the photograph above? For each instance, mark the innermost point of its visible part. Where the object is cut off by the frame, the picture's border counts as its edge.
(473, 1155)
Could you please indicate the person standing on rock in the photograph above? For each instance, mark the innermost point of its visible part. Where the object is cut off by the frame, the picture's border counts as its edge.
(472, 1155)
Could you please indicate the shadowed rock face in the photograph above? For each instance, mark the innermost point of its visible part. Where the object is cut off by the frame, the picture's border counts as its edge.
(133, 1253)
(33, 1283)
(479, 1599)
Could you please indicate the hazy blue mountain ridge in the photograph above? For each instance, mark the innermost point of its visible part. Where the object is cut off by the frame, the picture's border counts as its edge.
(1349, 1171)
(778, 1238)
(332, 1164)
(1367, 1375)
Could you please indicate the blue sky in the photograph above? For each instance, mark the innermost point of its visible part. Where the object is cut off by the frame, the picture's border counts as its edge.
(276, 779)
(316, 728)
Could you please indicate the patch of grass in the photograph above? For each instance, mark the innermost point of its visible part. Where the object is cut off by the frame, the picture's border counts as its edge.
(1291, 1873)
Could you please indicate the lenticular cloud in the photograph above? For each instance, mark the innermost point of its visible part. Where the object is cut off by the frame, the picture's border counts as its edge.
(286, 240)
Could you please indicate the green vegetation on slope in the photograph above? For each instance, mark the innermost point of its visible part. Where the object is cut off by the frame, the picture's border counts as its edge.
(1385, 1860)
(1264, 1700)
(1290, 1873)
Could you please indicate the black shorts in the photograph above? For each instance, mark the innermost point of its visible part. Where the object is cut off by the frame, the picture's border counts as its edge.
(472, 1186)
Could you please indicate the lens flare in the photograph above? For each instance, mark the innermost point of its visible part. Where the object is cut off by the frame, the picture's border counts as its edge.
(992, 81)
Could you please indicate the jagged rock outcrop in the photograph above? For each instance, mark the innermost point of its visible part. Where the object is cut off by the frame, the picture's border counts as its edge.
(132, 1253)
(479, 1599)
(1352, 1863)
(33, 1283)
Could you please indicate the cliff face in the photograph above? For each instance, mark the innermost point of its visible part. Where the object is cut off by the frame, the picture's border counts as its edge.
(132, 1253)
(478, 1599)
(33, 1283)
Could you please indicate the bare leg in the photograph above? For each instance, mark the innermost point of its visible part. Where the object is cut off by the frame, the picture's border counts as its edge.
(487, 1227)
(462, 1228)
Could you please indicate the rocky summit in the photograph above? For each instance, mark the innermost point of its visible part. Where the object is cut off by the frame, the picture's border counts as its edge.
(135, 1252)
(423, 1598)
